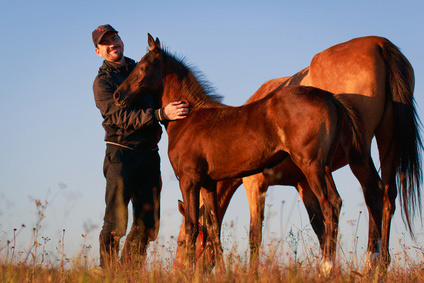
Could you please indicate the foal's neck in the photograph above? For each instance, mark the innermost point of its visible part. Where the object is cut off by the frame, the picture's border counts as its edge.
(186, 89)
(172, 90)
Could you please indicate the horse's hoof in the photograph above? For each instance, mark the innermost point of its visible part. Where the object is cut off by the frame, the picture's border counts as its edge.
(327, 267)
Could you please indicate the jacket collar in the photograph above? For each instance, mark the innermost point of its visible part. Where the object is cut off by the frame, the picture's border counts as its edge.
(114, 67)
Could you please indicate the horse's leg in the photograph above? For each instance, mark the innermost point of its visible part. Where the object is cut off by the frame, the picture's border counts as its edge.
(256, 187)
(390, 193)
(213, 228)
(383, 136)
(372, 187)
(190, 190)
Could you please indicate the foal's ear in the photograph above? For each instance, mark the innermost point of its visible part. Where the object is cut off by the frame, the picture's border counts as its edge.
(154, 46)
(181, 207)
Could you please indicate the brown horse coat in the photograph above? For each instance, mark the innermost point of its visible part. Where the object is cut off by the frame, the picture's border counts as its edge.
(217, 142)
(377, 78)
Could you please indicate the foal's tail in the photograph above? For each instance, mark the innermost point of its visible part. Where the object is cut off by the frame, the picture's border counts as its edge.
(407, 142)
(354, 122)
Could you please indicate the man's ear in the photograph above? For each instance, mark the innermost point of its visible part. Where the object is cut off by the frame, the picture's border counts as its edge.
(97, 51)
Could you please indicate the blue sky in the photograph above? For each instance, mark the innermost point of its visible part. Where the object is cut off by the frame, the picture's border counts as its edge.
(52, 145)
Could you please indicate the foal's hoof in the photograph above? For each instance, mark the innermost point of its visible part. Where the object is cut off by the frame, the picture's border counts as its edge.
(373, 261)
(326, 268)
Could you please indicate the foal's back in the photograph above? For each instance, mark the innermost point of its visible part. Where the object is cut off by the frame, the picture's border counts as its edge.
(233, 142)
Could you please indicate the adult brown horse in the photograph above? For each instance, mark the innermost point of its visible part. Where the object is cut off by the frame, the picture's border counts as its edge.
(217, 142)
(379, 80)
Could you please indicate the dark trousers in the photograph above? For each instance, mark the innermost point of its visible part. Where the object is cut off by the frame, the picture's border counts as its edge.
(130, 175)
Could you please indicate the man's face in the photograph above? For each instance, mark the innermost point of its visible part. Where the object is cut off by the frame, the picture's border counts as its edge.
(111, 48)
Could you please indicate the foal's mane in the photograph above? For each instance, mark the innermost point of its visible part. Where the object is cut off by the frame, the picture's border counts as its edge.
(195, 89)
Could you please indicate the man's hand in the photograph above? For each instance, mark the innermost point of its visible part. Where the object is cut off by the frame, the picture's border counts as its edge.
(176, 110)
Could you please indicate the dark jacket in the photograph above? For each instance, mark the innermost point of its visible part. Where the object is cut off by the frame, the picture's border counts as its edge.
(137, 126)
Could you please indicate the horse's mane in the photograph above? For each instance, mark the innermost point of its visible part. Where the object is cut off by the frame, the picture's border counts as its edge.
(196, 90)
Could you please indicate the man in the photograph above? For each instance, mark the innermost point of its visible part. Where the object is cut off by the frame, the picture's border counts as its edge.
(132, 163)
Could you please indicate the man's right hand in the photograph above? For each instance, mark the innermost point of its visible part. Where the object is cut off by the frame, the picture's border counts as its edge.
(176, 110)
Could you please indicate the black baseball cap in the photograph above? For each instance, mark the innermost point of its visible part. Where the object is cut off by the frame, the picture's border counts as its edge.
(99, 32)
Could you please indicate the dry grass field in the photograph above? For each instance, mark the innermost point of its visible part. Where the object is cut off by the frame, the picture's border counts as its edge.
(36, 263)
(270, 269)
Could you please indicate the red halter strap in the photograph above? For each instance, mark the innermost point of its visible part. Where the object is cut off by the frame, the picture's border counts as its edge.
(200, 250)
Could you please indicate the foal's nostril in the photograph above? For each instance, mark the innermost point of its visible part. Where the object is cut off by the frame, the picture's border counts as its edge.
(116, 97)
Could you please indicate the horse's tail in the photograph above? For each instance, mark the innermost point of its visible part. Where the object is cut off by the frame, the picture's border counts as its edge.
(354, 122)
(407, 143)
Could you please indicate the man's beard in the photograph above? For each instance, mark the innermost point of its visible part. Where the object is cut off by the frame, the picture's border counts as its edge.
(117, 55)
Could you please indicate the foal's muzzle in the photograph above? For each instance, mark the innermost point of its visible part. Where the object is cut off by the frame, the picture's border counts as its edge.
(118, 101)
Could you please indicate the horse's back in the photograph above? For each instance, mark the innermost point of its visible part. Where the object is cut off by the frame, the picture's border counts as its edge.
(356, 69)
(299, 78)
(266, 88)
(356, 66)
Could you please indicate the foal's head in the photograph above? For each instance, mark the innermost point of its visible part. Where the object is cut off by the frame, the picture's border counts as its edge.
(168, 78)
(146, 78)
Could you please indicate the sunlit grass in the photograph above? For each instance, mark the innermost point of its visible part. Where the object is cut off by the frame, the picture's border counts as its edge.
(295, 258)
(270, 269)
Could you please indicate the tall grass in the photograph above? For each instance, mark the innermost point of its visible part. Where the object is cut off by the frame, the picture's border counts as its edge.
(280, 261)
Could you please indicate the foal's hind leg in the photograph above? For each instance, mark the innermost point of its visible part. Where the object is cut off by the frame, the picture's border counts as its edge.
(372, 187)
(313, 208)
(321, 183)
(336, 203)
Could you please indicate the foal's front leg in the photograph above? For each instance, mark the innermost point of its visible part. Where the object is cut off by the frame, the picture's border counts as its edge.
(190, 190)
(213, 228)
